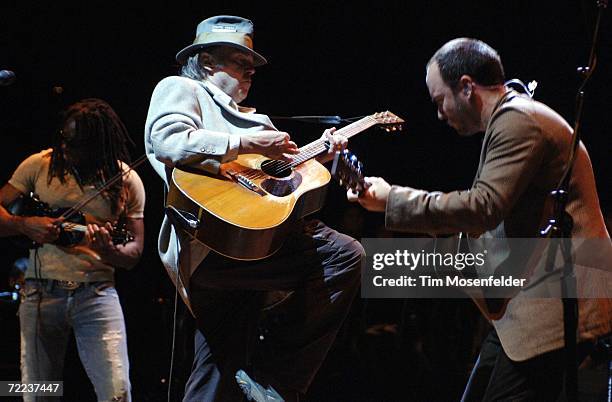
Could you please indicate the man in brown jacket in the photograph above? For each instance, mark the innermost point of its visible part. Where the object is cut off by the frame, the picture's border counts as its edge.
(523, 155)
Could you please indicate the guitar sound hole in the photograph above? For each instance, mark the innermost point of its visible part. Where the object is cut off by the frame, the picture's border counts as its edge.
(278, 169)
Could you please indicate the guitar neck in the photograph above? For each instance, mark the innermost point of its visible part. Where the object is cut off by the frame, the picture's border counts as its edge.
(319, 146)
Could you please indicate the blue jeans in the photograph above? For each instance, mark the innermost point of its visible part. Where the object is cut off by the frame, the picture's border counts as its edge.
(46, 315)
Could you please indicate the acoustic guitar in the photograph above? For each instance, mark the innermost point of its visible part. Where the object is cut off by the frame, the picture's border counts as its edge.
(246, 211)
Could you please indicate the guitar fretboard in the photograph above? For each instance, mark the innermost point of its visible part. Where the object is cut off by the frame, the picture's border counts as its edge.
(319, 146)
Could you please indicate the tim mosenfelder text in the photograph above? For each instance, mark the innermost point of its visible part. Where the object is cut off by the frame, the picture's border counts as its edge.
(410, 260)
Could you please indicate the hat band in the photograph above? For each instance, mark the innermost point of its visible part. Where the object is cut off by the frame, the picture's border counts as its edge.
(238, 38)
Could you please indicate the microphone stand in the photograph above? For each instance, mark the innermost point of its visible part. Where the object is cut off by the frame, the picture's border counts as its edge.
(311, 119)
(559, 229)
(318, 119)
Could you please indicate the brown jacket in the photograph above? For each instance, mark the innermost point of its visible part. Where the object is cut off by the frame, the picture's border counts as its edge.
(523, 155)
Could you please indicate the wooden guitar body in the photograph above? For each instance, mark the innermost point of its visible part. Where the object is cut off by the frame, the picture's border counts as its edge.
(244, 221)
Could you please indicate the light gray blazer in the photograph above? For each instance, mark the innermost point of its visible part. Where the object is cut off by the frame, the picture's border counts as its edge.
(523, 154)
(192, 123)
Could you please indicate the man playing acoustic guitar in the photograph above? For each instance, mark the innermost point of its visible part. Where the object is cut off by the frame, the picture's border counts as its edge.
(524, 150)
(195, 122)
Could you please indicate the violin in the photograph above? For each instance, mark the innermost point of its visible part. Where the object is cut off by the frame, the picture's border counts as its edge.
(72, 229)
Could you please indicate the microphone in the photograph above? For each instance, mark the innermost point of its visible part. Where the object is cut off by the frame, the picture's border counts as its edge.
(6, 77)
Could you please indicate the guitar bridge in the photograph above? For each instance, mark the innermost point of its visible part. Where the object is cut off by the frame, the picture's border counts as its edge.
(245, 182)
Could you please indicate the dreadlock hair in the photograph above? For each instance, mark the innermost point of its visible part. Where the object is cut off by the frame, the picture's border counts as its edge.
(101, 139)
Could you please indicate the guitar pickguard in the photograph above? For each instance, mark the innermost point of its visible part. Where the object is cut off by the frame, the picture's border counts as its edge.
(282, 187)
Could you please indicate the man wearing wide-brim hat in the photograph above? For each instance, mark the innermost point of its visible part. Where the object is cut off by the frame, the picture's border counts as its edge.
(223, 30)
(195, 120)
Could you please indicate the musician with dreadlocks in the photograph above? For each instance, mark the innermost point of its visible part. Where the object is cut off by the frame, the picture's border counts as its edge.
(72, 287)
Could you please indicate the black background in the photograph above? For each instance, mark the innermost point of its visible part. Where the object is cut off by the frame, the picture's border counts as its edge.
(325, 58)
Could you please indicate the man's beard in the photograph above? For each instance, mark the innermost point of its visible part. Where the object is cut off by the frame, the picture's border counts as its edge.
(469, 122)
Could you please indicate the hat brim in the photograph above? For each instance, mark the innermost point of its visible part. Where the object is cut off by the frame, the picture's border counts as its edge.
(183, 55)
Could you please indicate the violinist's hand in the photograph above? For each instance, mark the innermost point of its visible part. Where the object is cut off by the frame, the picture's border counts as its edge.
(98, 238)
(374, 196)
(337, 142)
(41, 229)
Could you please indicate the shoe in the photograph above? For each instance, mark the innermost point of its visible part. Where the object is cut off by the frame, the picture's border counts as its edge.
(254, 391)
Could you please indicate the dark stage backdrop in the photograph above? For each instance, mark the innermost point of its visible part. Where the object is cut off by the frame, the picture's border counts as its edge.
(325, 58)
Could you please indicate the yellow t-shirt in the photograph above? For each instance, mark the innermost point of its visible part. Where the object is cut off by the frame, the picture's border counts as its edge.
(73, 263)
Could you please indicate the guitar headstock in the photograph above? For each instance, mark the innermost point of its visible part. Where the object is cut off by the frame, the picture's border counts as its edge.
(388, 121)
(347, 169)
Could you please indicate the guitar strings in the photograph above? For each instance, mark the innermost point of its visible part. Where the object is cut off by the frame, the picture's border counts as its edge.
(276, 167)
(316, 147)
(320, 145)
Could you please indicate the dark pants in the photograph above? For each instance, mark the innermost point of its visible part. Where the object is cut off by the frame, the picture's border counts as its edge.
(320, 266)
(497, 378)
